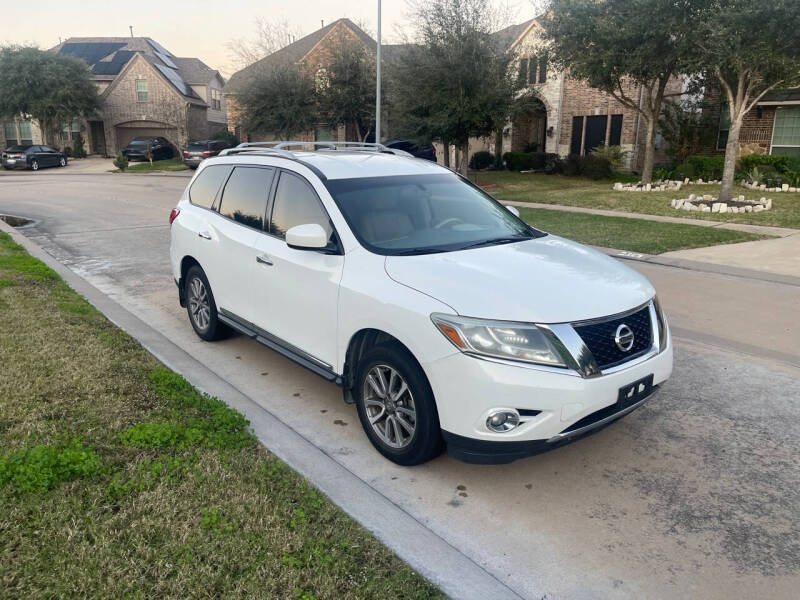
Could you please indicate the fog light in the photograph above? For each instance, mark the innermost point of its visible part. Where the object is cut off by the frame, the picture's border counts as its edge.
(502, 420)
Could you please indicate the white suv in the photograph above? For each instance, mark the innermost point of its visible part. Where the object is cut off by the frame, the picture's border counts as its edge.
(445, 318)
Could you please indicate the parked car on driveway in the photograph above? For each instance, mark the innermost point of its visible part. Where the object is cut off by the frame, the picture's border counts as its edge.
(444, 317)
(159, 147)
(428, 151)
(197, 152)
(32, 157)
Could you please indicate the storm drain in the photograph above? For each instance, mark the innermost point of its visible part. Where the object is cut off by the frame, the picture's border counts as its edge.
(16, 221)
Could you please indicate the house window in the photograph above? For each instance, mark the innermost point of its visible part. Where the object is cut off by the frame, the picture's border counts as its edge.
(11, 133)
(786, 131)
(141, 90)
(724, 126)
(542, 69)
(25, 134)
(524, 67)
(216, 100)
(70, 131)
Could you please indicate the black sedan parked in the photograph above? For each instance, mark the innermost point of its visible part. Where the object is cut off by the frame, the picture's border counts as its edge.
(32, 157)
(159, 148)
(197, 152)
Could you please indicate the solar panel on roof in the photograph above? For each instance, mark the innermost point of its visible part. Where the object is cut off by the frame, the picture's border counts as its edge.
(91, 52)
(166, 60)
(158, 47)
(176, 80)
(114, 66)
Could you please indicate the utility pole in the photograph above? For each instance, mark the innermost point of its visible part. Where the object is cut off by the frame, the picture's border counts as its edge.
(131, 28)
(378, 83)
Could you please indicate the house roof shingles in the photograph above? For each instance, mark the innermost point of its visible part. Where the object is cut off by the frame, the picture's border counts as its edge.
(108, 56)
(291, 54)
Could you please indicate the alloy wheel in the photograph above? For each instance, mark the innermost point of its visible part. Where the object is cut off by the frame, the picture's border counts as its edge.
(389, 406)
(199, 303)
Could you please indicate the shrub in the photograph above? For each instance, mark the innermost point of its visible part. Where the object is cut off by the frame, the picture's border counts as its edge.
(517, 161)
(77, 147)
(531, 147)
(573, 165)
(482, 159)
(553, 165)
(615, 155)
(121, 161)
(67, 151)
(540, 160)
(597, 167)
(707, 167)
(684, 170)
(661, 174)
(778, 162)
(226, 136)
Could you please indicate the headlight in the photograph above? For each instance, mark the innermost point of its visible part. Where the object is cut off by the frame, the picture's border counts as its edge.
(499, 339)
(662, 325)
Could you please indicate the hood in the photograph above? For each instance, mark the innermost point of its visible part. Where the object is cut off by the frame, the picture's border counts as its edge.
(544, 280)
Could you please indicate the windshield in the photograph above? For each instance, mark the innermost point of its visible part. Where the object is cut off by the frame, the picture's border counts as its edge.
(138, 143)
(421, 214)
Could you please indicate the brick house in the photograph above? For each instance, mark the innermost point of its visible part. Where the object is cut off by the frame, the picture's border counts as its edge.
(564, 115)
(772, 127)
(144, 91)
(313, 53)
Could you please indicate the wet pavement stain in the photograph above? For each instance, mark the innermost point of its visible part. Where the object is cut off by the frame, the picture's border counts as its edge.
(296, 395)
(461, 487)
(462, 494)
(339, 422)
(264, 373)
(529, 486)
(324, 410)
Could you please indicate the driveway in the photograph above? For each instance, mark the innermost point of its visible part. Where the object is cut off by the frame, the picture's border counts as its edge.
(694, 495)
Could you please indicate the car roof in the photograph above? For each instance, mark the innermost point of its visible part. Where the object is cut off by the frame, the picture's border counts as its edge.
(343, 164)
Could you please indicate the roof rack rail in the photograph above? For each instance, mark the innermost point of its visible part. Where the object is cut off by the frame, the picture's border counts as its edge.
(280, 147)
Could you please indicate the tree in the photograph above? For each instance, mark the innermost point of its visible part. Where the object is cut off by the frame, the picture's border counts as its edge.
(455, 83)
(346, 88)
(623, 47)
(269, 37)
(687, 129)
(280, 99)
(747, 48)
(51, 88)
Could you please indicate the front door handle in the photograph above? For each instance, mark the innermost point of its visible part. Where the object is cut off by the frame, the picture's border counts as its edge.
(205, 235)
(264, 260)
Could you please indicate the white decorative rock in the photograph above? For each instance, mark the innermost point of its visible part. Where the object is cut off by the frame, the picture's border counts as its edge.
(706, 208)
(715, 207)
(792, 190)
(686, 181)
(785, 187)
(723, 207)
(688, 206)
(692, 197)
(758, 208)
(748, 209)
(617, 186)
(762, 187)
(679, 203)
(768, 205)
(741, 198)
(707, 197)
(734, 209)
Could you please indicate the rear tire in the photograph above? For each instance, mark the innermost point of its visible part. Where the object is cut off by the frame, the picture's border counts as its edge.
(200, 306)
(62, 162)
(396, 406)
(35, 165)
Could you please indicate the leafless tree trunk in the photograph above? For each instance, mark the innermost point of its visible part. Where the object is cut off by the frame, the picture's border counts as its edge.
(649, 149)
(462, 159)
(446, 153)
(498, 144)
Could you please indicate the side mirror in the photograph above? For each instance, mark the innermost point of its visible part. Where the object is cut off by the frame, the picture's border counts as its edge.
(307, 237)
(512, 209)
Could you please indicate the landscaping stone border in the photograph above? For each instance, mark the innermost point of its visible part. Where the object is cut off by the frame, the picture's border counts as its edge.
(763, 187)
(662, 185)
(708, 203)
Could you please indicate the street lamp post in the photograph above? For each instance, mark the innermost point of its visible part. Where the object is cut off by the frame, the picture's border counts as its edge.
(378, 83)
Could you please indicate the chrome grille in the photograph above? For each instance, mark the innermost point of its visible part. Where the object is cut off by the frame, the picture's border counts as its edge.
(599, 338)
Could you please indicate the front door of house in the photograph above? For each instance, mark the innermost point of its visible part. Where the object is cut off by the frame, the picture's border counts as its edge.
(98, 133)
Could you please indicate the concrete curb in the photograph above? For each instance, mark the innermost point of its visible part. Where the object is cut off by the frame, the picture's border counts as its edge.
(454, 573)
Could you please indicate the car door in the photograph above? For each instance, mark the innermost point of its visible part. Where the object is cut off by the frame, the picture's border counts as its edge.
(50, 155)
(36, 153)
(232, 228)
(296, 291)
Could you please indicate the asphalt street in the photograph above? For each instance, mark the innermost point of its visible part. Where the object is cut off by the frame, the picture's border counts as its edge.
(694, 495)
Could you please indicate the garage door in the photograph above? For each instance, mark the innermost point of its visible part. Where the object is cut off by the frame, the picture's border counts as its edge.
(126, 134)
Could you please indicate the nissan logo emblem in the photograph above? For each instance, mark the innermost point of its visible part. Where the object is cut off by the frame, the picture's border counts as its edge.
(624, 338)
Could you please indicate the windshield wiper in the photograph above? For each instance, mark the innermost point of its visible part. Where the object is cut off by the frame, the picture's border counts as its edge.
(412, 251)
(497, 241)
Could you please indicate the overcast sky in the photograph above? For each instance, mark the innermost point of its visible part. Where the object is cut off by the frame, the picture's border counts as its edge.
(197, 28)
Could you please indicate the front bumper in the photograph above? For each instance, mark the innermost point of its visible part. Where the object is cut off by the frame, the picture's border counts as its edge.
(550, 403)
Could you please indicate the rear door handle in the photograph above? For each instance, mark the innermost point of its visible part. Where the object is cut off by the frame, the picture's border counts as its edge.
(205, 235)
(264, 260)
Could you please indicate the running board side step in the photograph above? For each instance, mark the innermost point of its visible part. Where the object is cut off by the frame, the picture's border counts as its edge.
(275, 344)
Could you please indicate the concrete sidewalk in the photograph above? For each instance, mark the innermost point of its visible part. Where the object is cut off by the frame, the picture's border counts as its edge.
(777, 259)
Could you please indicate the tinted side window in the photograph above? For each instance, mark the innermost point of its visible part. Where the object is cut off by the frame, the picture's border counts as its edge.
(205, 187)
(296, 203)
(245, 196)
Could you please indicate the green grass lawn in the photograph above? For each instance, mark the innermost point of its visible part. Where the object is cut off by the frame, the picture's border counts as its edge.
(579, 191)
(119, 480)
(173, 164)
(624, 233)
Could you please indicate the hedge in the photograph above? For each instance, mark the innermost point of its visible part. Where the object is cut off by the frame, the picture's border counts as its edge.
(481, 160)
(782, 163)
(527, 161)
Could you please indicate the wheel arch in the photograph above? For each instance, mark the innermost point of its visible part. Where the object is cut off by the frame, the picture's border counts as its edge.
(187, 262)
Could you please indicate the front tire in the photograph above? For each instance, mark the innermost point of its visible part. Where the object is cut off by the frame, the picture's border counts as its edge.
(201, 307)
(62, 162)
(396, 406)
(34, 165)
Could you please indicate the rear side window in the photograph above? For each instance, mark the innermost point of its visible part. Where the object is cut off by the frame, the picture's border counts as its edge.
(296, 203)
(245, 196)
(205, 186)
